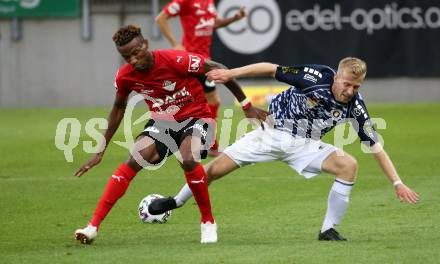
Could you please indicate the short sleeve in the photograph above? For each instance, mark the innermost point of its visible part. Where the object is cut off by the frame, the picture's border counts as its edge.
(175, 7)
(120, 86)
(302, 76)
(366, 131)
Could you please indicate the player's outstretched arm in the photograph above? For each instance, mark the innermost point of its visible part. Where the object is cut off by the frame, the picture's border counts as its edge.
(162, 22)
(249, 110)
(223, 22)
(403, 192)
(257, 69)
(114, 119)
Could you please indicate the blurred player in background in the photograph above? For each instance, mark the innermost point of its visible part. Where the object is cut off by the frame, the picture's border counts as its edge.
(198, 19)
(167, 80)
(319, 98)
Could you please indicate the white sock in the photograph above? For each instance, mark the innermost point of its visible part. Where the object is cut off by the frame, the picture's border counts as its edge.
(183, 196)
(337, 203)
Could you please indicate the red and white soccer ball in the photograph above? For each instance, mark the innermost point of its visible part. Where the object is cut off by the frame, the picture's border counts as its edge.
(148, 218)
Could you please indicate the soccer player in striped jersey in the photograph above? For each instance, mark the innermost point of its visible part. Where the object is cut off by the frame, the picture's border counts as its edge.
(319, 98)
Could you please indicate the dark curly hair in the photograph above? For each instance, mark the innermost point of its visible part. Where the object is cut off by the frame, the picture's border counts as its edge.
(126, 34)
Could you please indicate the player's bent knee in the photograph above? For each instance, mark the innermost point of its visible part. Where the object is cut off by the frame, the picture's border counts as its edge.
(210, 172)
(348, 169)
(213, 173)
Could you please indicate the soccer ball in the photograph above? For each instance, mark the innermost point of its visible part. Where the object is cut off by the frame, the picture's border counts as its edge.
(146, 217)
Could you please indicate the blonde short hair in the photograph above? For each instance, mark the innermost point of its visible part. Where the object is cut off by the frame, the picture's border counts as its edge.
(356, 66)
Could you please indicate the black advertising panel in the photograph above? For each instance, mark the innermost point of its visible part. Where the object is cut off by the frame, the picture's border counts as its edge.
(395, 38)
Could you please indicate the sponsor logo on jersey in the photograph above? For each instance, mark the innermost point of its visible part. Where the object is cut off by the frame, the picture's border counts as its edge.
(336, 114)
(205, 23)
(169, 99)
(194, 63)
(151, 129)
(169, 85)
(311, 78)
(292, 70)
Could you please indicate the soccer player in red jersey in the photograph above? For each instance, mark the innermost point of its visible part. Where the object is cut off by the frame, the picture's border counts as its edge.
(198, 19)
(180, 122)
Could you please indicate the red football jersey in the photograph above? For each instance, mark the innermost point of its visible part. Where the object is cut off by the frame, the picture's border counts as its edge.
(170, 88)
(197, 18)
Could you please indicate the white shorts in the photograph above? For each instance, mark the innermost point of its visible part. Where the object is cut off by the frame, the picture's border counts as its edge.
(303, 155)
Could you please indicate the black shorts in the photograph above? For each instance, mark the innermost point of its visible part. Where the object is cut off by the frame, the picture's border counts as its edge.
(168, 135)
(206, 86)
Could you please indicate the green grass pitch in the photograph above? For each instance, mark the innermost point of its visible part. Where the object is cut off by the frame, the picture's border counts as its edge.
(266, 213)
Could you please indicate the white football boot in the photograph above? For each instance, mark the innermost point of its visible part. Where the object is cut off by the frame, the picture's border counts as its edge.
(86, 235)
(209, 232)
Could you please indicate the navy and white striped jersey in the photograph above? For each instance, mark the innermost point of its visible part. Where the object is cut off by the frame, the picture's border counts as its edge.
(309, 109)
